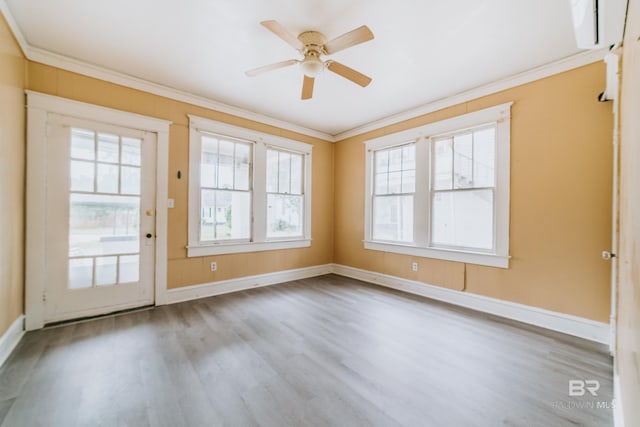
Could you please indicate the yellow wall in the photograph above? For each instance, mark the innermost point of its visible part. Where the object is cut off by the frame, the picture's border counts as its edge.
(183, 271)
(560, 200)
(628, 324)
(12, 183)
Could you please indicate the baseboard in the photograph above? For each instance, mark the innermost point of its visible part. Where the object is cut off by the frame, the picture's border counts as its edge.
(10, 339)
(188, 293)
(571, 325)
(618, 413)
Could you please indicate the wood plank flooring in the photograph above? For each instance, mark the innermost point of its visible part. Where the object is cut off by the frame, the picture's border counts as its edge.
(326, 351)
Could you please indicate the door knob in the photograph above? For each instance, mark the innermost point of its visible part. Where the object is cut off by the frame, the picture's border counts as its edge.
(149, 235)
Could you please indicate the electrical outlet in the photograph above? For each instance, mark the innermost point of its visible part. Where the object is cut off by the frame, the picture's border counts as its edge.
(414, 266)
(214, 266)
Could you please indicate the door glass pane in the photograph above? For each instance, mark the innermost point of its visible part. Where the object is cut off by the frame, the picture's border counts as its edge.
(130, 180)
(82, 144)
(129, 268)
(107, 178)
(463, 219)
(108, 148)
(106, 270)
(131, 151)
(103, 225)
(82, 175)
(80, 273)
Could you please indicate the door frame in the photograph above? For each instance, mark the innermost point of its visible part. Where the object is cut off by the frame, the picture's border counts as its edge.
(39, 106)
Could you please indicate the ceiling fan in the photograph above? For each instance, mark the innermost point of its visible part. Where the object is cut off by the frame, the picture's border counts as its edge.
(312, 45)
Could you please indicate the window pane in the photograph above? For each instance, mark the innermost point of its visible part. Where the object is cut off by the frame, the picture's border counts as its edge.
(296, 173)
(409, 157)
(463, 161)
(108, 148)
(82, 144)
(209, 162)
(107, 178)
(393, 218)
(442, 164)
(409, 181)
(484, 146)
(82, 176)
(130, 180)
(129, 269)
(242, 167)
(395, 182)
(284, 216)
(382, 184)
(131, 154)
(463, 219)
(272, 171)
(225, 164)
(284, 166)
(225, 215)
(80, 273)
(395, 159)
(103, 225)
(106, 268)
(382, 161)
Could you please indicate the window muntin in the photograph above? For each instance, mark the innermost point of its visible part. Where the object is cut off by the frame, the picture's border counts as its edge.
(463, 190)
(225, 189)
(393, 195)
(285, 194)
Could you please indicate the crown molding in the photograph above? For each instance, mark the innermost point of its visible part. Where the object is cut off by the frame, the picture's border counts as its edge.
(15, 29)
(84, 68)
(557, 67)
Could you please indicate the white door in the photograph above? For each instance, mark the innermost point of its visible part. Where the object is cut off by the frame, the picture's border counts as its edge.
(100, 210)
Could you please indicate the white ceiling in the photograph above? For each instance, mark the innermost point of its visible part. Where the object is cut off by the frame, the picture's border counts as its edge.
(423, 50)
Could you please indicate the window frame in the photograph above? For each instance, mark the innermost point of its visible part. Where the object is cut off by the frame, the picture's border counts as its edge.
(260, 141)
(500, 116)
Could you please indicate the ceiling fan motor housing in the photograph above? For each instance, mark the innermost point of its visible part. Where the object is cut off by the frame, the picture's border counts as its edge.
(313, 41)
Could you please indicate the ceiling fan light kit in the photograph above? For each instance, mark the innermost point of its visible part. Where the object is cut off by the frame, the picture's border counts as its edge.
(312, 45)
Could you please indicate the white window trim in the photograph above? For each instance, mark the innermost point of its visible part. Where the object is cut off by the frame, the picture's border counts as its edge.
(261, 141)
(499, 114)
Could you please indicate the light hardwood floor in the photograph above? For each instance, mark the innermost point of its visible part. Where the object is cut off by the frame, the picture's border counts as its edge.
(315, 352)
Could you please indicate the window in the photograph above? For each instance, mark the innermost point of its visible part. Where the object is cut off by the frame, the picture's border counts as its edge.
(394, 189)
(444, 194)
(285, 194)
(248, 191)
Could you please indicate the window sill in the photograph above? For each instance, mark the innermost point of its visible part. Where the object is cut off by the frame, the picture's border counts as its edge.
(479, 258)
(236, 248)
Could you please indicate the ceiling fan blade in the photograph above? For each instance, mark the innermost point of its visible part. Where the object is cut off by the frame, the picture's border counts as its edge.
(352, 38)
(276, 28)
(265, 68)
(307, 87)
(348, 73)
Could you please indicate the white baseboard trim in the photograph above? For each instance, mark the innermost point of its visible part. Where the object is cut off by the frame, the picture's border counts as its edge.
(565, 323)
(10, 339)
(618, 413)
(188, 293)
